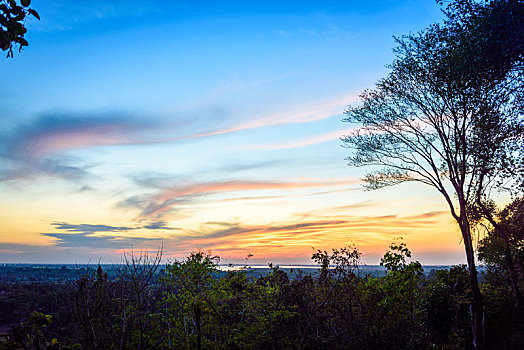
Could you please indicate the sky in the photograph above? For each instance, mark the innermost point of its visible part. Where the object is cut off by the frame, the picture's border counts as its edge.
(130, 126)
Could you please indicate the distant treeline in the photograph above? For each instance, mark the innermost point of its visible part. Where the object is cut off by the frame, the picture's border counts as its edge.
(189, 305)
(63, 273)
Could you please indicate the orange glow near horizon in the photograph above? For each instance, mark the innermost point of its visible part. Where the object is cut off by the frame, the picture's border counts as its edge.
(224, 137)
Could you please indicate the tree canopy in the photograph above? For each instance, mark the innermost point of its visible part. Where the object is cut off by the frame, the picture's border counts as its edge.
(449, 115)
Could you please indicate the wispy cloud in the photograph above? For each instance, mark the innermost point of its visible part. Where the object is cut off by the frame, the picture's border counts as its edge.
(83, 239)
(32, 148)
(235, 239)
(103, 236)
(158, 204)
(303, 114)
(310, 141)
(51, 133)
(159, 225)
(283, 239)
(39, 146)
(85, 235)
(429, 214)
(88, 228)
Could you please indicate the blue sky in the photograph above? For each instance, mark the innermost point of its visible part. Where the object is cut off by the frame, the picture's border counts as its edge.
(202, 125)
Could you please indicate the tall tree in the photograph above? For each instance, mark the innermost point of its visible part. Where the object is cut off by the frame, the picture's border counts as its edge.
(449, 115)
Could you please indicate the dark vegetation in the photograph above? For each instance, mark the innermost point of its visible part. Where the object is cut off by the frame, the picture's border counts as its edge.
(13, 18)
(449, 116)
(188, 305)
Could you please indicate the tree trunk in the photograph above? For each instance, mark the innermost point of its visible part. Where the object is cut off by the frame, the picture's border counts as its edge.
(476, 307)
(512, 276)
(198, 330)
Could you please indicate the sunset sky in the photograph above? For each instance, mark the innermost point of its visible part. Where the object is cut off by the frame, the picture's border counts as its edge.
(130, 125)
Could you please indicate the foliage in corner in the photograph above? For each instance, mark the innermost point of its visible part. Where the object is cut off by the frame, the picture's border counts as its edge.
(13, 24)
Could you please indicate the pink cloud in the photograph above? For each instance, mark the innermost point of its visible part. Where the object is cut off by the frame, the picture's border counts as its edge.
(330, 136)
(49, 140)
(165, 199)
(297, 238)
(310, 113)
(60, 140)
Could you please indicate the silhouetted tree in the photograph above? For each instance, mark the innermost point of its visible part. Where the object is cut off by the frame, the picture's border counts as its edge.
(124, 312)
(502, 250)
(440, 120)
(139, 279)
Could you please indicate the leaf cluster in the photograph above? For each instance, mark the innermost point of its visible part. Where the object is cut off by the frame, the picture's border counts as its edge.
(12, 24)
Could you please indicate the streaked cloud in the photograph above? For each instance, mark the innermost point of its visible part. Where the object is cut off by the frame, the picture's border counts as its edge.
(158, 204)
(83, 239)
(102, 236)
(54, 132)
(32, 148)
(429, 214)
(303, 114)
(43, 145)
(159, 225)
(177, 138)
(310, 141)
(233, 239)
(88, 228)
(283, 239)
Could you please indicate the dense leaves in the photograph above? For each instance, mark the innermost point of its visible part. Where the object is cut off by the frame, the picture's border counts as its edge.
(12, 24)
(449, 115)
(190, 304)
